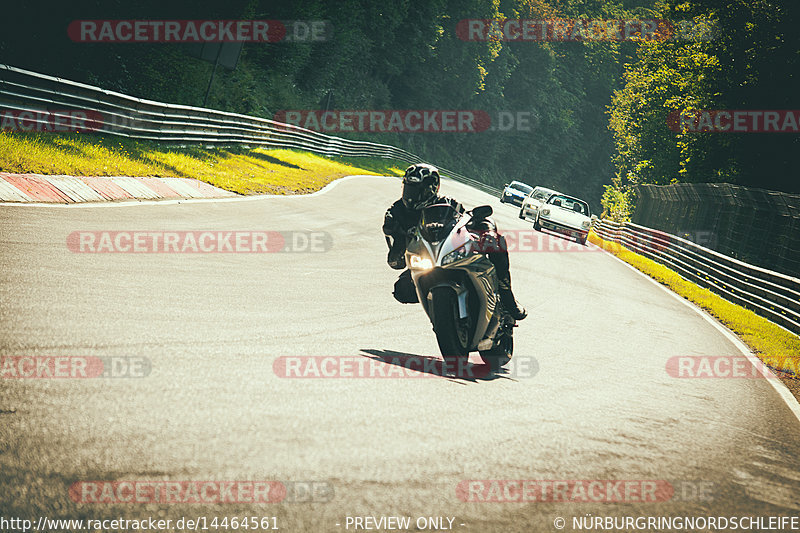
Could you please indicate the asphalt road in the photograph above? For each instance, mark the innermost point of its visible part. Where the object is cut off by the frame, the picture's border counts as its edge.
(211, 326)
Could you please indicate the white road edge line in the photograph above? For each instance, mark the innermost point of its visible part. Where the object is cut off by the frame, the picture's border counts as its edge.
(777, 384)
(128, 203)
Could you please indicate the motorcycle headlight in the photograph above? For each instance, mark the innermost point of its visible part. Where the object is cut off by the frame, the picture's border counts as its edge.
(459, 254)
(545, 212)
(586, 224)
(421, 263)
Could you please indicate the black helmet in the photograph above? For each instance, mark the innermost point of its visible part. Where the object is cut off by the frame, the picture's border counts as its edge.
(420, 185)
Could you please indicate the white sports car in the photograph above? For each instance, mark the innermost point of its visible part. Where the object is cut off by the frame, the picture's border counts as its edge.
(565, 214)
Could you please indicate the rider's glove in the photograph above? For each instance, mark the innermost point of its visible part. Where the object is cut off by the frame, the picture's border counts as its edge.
(488, 243)
(397, 259)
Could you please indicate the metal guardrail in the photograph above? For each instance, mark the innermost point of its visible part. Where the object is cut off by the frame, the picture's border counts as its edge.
(770, 294)
(137, 118)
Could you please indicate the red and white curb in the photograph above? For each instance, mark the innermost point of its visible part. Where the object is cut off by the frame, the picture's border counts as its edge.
(68, 189)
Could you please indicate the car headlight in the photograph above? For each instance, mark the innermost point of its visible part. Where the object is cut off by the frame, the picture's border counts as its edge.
(421, 263)
(458, 254)
(586, 224)
(545, 212)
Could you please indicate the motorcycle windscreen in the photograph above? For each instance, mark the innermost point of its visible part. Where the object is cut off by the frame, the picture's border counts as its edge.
(437, 221)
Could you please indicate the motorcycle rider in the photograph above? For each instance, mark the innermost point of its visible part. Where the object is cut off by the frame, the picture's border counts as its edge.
(421, 189)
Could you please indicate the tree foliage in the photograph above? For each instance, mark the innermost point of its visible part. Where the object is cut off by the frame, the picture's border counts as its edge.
(598, 109)
(748, 61)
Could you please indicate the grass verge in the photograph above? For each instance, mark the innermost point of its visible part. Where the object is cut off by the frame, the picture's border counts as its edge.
(777, 347)
(237, 169)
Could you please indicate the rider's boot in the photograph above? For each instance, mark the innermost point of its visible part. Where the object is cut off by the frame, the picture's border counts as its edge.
(510, 303)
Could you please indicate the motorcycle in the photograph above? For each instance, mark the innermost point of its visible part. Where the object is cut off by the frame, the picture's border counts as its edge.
(457, 285)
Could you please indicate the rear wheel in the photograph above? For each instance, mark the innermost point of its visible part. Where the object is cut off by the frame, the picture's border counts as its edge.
(452, 332)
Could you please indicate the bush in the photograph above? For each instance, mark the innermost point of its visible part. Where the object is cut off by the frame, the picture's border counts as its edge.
(617, 203)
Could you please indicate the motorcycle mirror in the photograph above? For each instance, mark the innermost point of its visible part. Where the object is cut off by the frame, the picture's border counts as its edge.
(482, 211)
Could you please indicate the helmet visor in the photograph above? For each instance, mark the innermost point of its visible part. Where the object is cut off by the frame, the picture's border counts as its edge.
(417, 194)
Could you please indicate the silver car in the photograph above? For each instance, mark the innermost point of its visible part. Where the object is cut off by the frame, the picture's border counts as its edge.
(534, 200)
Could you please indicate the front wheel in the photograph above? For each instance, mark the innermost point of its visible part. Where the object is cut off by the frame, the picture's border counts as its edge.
(536, 225)
(452, 332)
(582, 239)
(522, 214)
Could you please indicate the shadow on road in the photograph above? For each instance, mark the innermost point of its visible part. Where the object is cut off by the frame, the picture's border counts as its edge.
(435, 366)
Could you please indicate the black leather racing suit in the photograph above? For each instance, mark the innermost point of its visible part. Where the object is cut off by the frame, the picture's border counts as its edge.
(399, 220)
